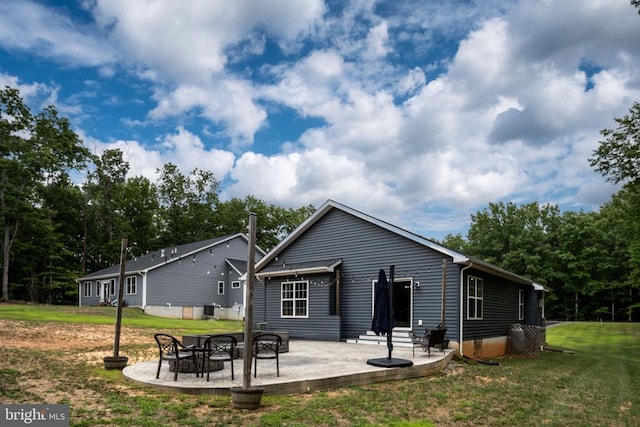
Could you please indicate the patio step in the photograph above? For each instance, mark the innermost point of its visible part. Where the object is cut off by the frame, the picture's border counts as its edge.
(399, 339)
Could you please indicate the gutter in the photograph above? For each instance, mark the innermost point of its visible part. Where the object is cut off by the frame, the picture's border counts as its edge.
(462, 303)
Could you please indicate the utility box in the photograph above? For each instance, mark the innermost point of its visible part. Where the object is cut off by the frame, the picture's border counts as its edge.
(209, 309)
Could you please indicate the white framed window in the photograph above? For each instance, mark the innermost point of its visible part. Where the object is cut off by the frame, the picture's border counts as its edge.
(132, 285)
(521, 304)
(86, 291)
(294, 300)
(475, 295)
(235, 284)
(98, 286)
(112, 287)
(220, 287)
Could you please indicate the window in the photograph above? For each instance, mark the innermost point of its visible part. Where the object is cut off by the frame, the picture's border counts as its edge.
(98, 286)
(87, 289)
(235, 285)
(474, 298)
(295, 299)
(221, 288)
(520, 304)
(132, 285)
(113, 287)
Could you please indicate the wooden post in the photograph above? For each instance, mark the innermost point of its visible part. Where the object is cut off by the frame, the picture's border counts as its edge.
(338, 272)
(444, 291)
(248, 310)
(123, 260)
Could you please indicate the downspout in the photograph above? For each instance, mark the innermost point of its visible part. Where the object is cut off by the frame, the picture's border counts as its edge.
(144, 289)
(462, 303)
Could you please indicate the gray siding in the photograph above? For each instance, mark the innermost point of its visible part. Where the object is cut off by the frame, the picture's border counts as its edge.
(364, 249)
(194, 282)
(500, 306)
(321, 323)
(190, 281)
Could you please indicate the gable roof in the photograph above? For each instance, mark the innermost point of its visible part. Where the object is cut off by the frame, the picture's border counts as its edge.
(458, 257)
(152, 260)
(239, 265)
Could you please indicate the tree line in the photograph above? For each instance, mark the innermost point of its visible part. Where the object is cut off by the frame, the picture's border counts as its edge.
(55, 230)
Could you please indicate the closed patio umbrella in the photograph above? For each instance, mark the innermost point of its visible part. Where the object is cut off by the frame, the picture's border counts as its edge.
(382, 322)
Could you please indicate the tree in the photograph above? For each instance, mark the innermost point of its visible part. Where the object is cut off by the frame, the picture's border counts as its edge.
(619, 218)
(274, 222)
(454, 241)
(618, 155)
(187, 205)
(103, 216)
(516, 238)
(139, 210)
(35, 149)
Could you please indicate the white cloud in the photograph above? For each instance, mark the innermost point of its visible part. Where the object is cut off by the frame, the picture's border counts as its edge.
(29, 26)
(377, 39)
(186, 41)
(513, 113)
(186, 150)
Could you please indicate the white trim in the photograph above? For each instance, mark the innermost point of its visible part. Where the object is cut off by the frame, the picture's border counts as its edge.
(478, 280)
(301, 271)
(294, 299)
(521, 306)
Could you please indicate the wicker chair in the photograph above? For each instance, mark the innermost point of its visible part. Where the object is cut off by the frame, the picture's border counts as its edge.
(172, 350)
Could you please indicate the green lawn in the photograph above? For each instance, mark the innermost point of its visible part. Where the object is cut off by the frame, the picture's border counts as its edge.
(133, 317)
(597, 385)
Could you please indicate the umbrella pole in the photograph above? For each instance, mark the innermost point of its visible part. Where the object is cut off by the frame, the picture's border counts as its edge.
(390, 311)
(390, 362)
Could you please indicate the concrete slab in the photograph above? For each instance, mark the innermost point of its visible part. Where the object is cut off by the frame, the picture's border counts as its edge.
(308, 366)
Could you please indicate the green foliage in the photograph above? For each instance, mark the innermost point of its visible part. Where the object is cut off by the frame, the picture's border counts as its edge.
(586, 259)
(54, 231)
(517, 238)
(618, 155)
(38, 152)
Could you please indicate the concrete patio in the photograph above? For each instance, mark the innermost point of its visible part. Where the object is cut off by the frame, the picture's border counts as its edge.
(307, 366)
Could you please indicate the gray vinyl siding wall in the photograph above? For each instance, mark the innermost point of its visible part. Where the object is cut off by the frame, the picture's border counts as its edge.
(365, 249)
(233, 296)
(320, 324)
(500, 306)
(194, 282)
(129, 300)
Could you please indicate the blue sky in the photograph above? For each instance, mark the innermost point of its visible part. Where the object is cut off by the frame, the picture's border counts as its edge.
(417, 112)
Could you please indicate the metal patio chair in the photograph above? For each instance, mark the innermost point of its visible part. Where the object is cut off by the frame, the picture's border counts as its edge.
(221, 348)
(266, 346)
(171, 349)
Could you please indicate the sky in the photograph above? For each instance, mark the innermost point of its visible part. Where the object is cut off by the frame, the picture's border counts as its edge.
(420, 113)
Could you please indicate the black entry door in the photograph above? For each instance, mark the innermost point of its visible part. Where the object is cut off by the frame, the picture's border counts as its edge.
(402, 303)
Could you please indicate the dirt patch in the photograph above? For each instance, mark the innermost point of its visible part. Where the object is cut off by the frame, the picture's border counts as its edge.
(90, 343)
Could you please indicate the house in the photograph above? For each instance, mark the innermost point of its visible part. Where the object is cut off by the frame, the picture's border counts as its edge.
(318, 283)
(187, 281)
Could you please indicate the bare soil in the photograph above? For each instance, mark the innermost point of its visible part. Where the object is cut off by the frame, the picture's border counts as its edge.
(95, 341)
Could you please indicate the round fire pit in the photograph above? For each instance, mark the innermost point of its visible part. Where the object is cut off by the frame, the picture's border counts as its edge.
(186, 365)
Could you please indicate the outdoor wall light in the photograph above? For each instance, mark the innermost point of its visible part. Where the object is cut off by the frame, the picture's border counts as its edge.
(416, 285)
